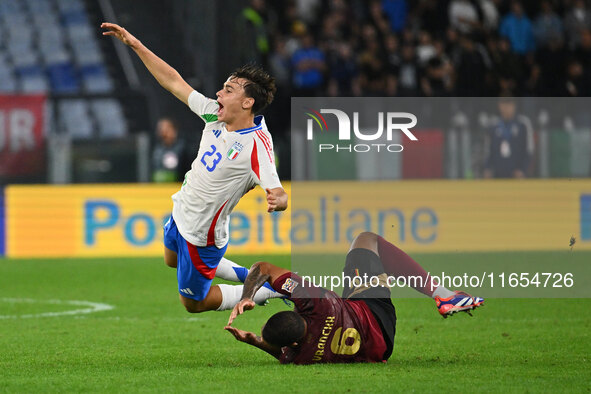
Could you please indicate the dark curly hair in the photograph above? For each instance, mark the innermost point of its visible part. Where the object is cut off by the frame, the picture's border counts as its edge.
(284, 328)
(260, 86)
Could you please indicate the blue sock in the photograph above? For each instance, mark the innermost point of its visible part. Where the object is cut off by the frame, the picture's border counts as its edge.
(241, 273)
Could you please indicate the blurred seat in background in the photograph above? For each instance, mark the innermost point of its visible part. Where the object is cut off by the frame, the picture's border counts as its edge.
(109, 116)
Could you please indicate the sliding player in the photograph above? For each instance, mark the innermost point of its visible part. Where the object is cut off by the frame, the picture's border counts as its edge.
(235, 155)
(325, 328)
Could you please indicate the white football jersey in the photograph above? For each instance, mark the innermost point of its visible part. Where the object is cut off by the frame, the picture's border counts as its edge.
(227, 166)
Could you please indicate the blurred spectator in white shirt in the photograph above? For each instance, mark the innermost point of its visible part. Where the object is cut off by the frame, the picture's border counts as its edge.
(463, 16)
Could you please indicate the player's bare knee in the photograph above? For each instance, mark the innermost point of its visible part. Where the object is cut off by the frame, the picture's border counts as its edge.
(170, 258)
(368, 235)
(193, 306)
(170, 263)
(365, 238)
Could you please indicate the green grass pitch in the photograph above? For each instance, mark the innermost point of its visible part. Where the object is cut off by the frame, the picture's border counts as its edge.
(148, 343)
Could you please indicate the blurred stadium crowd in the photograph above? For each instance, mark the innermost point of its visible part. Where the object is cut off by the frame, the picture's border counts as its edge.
(426, 47)
(52, 47)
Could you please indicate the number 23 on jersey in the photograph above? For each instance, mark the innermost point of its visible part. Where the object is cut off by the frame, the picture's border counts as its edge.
(205, 159)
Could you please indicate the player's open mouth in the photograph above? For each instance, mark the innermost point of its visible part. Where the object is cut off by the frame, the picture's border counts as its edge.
(220, 109)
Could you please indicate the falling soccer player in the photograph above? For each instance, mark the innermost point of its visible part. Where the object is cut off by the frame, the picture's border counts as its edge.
(357, 327)
(235, 155)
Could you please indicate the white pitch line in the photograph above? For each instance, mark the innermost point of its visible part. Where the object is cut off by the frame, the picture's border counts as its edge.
(91, 307)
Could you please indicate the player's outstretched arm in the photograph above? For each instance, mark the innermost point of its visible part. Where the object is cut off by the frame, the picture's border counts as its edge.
(166, 76)
(254, 340)
(260, 273)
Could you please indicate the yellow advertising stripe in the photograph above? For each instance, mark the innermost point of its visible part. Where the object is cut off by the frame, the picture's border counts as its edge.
(426, 216)
(460, 215)
(119, 220)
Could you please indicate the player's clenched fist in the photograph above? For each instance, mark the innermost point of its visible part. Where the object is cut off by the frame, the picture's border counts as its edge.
(276, 199)
(271, 201)
(117, 31)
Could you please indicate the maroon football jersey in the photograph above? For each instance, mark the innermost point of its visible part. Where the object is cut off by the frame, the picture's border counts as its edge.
(339, 330)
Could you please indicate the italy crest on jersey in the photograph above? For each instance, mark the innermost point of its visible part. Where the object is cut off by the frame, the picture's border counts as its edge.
(234, 150)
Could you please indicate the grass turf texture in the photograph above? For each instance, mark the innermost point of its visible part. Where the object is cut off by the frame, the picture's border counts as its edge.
(148, 343)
